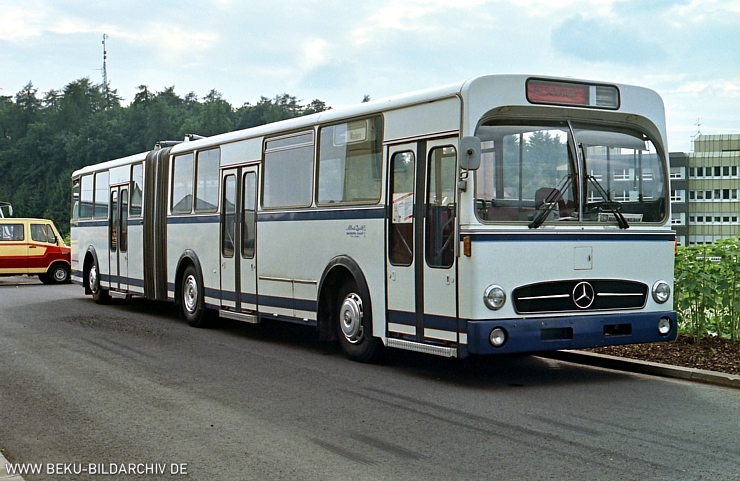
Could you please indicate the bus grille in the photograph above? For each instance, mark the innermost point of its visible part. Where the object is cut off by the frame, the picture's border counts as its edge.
(579, 295)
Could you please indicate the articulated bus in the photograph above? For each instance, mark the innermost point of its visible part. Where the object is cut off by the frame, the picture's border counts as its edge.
(503, 214)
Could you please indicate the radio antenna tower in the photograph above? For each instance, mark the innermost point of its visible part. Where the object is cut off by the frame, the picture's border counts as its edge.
(105, 70)
(697, 134)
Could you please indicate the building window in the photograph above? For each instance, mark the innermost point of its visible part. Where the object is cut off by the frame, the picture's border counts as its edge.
(623, 174)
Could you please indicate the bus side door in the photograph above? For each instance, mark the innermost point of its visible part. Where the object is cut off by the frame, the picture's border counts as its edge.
(118, 238)
(421, 231)
(238, 243)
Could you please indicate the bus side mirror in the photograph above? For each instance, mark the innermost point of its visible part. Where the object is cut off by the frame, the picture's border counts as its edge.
(470, 153)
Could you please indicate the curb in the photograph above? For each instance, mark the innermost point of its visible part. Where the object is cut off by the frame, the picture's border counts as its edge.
(646, 367)
(4, 476)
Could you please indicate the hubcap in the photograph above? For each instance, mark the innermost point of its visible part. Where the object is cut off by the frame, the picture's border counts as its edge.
(93, 279)
(60, 274)
(190, 294)
(350, 318)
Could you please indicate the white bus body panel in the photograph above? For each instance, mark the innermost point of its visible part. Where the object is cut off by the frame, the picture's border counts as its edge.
(496, 260)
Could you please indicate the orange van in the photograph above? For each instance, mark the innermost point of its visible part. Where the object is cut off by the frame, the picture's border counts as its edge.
(33, 247)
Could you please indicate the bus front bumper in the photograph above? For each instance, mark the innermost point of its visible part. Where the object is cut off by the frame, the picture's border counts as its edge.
(574, 332)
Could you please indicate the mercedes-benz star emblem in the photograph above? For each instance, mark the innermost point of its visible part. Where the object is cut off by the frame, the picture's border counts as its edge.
(583, 295)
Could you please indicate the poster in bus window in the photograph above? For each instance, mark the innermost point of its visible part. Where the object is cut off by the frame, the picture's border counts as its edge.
(403, 208)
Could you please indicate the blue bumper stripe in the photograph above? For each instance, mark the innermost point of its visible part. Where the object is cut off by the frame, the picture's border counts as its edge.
(552, 333)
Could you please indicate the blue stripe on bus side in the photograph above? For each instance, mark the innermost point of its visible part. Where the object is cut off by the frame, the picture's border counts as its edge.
(194, 219)
(246, 298)
(308, 214)
(431, 321)
(329, 214)
(288, 303)
(92, 223)
(565, 237)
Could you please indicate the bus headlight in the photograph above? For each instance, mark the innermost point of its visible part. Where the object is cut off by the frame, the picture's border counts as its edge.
(661, 292)
(494, 297)
(497, 336)
(664, 326)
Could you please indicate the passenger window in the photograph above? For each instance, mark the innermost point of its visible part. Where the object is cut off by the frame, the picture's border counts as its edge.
(86, 197)
(288, 176)
(440, 205)
(123, 242)
(75, 199)
(11, 232)
(228, 224)
(401, 231)
(101, 195)
(42, 233)
(182, 184)
(249, 213)
(206, 188)
(350, 162)
(137, 186)
(113, 224)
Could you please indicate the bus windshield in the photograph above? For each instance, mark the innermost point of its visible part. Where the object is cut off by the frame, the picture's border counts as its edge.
(559, 172)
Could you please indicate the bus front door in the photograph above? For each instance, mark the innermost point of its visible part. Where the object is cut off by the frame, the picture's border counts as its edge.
(238, 244)
(421, 231)
(118, 238)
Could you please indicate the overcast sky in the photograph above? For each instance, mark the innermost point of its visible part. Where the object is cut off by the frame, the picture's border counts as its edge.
(339, 51)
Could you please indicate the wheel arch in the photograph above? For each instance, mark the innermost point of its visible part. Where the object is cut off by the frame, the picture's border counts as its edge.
(187, 258)
(339, 270)
(91, 257)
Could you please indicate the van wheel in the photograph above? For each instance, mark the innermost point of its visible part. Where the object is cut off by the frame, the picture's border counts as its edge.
(100, 295)
(356, 342)
(58, 274)
(191, 298)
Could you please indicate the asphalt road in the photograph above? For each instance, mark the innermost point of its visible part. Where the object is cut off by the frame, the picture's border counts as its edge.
(132, 383)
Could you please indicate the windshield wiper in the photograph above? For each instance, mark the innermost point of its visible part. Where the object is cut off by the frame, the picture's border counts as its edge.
(612, 206)
(551, 202)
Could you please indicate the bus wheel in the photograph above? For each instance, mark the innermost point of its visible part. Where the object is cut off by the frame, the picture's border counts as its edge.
(357, 344)
(191, 299)
(100, 295)
(58, 274)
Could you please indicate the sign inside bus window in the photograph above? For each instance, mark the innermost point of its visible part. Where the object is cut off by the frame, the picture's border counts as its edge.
(403, 208)
(350, 133)
(356, 231)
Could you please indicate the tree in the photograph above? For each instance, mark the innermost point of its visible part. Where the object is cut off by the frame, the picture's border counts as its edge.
(43, 140)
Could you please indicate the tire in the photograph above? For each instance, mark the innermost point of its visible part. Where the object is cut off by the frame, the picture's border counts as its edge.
(44, 278)
(191, 298)
(351, 308)
(57, 274)
(99, 295)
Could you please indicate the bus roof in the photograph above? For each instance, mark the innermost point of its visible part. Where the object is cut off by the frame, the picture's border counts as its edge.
(496, 90)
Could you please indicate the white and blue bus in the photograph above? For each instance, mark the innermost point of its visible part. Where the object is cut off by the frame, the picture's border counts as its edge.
(502, 214)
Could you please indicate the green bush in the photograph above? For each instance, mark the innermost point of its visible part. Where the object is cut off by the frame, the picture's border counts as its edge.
(707, 295)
